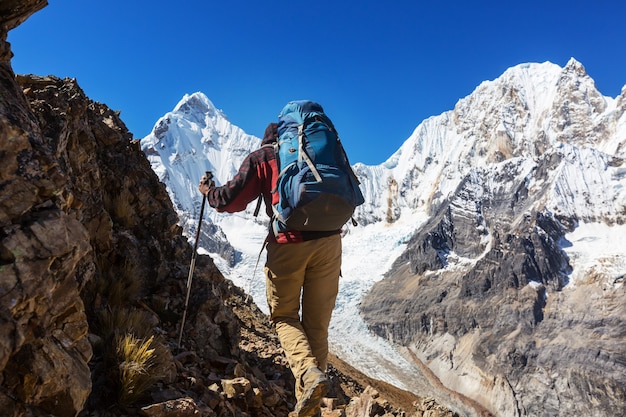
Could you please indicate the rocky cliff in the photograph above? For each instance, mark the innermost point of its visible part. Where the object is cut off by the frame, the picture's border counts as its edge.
(93, 272)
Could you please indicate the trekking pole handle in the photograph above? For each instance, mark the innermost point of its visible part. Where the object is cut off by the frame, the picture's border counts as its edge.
(208, 176)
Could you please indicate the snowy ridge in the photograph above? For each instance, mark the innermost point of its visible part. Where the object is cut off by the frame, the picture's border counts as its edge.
(548, 124)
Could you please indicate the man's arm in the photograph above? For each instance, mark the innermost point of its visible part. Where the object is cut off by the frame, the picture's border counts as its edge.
(238, 192)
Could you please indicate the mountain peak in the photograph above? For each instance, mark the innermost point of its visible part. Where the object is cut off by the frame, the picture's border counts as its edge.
(197, 102)
(576, 65)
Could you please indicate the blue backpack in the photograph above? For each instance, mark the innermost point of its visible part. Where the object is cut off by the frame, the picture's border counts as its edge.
(318, 191)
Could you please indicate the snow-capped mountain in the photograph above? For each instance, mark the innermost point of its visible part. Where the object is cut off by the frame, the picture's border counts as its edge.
(194, 138)
(524, 179)
(530, 110)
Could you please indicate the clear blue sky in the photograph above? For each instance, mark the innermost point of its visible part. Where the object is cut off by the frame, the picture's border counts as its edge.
(378, 68)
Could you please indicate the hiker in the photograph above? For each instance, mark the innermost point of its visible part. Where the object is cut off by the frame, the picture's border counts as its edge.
(302, 271)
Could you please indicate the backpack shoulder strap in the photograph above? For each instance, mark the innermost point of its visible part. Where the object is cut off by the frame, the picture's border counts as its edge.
(260, 198)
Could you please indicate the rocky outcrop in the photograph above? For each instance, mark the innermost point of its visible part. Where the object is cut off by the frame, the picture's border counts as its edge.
(78, 207)
(13, 13)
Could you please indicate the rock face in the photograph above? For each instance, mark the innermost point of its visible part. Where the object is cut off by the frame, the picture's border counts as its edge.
(76, 206)
(45, 258)
(93, 262)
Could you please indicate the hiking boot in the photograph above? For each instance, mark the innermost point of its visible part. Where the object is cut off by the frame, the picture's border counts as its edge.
(316, 386)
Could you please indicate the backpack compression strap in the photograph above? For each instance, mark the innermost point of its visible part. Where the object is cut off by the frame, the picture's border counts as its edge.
(303, 155)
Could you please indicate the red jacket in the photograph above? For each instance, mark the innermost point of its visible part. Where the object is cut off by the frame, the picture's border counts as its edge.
(257, 176)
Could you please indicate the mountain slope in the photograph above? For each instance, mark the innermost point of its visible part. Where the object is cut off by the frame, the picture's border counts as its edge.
(488, 291)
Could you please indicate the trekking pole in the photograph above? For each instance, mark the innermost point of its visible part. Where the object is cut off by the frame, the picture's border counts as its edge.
(192, 266)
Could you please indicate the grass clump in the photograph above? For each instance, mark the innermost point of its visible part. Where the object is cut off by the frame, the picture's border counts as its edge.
(133, 359)
(138, 367)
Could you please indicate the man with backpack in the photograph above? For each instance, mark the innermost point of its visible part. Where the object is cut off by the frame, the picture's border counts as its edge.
(309, 191)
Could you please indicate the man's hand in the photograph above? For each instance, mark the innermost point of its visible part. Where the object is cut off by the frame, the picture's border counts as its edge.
(206, 183)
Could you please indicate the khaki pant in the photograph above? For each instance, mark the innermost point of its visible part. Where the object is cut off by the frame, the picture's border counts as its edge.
(309, 270)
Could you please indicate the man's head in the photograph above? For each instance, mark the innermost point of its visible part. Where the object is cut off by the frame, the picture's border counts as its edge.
(271, 134)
